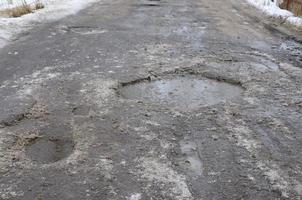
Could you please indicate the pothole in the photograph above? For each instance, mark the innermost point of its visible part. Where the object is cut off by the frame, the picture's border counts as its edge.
(152, 4)
(183, 93)
(81, 110)
(86, 30)
(49, 150)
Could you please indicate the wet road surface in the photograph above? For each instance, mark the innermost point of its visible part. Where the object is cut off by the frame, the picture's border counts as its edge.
(138, 99)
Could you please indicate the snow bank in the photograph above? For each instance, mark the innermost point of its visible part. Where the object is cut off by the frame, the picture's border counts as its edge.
(13, 3)
(271, 7)
(54, 9)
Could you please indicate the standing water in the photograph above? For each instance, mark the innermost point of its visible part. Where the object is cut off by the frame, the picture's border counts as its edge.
(183, 93)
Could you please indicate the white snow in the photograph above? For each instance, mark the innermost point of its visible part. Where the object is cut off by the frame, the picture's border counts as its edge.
(12, 3)
(54, 9)
(271, 7)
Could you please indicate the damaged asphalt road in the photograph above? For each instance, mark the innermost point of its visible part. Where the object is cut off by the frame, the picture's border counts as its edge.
(138, 100)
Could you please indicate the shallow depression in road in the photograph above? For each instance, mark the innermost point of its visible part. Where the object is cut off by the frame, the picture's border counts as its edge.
(183, 93)
(47, 150)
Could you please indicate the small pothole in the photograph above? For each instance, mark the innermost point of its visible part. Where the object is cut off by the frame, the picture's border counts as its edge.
(81, 110)
(183, 93)
(147, 5)
(49, 150)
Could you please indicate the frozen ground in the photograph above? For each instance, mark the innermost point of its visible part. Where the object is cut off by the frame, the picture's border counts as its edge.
(271, 8)
(54, 9)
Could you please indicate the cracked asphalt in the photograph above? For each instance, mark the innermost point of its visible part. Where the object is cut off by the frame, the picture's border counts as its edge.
(69, 129)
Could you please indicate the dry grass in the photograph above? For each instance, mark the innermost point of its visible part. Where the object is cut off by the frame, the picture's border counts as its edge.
(21, 10)
(39, 6)
(295, 6)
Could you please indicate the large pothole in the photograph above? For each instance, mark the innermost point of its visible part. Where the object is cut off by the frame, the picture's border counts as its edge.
(49, 150)
(183, 93)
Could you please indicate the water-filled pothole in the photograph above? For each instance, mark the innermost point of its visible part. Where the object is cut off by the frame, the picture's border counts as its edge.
(183, 93)
(49, 150)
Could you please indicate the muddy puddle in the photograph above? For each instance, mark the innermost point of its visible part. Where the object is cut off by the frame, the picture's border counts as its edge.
(49, 150)
(183, 93)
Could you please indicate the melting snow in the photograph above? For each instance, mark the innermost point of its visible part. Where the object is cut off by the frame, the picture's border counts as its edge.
(271, 7)
(54, 9)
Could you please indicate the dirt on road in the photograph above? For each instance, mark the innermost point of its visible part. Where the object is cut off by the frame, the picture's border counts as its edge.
(145, 99)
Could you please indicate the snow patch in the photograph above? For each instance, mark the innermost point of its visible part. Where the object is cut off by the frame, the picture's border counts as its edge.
(271, 7)
(13, 3)
(54, 10)
(161, 172)
(100, 92)
(9, 192)
(136, 196)
(276, 177)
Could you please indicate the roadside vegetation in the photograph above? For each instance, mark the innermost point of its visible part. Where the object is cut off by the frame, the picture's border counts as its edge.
(18, 8)
(293, 6)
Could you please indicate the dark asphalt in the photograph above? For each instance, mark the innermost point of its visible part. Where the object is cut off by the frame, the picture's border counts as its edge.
(69, 131)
